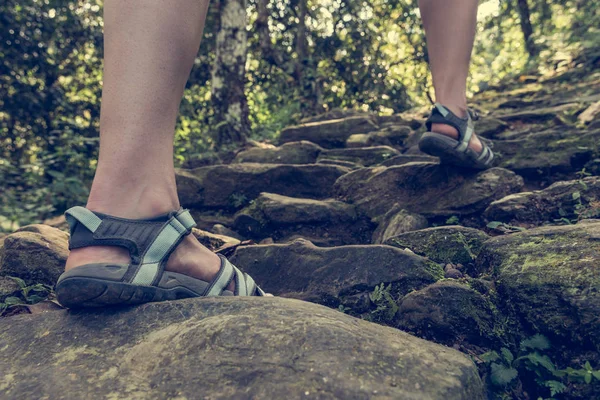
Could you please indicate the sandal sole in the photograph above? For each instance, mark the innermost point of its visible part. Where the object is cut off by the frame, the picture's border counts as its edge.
(77, 292)
(444, 147)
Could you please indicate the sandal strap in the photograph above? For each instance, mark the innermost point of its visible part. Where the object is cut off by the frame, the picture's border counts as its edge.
(162, 246)
(464, 126)
(244, 284)
(150, 242)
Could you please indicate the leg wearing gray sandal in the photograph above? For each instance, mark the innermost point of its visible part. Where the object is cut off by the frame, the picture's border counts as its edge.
(450, 28)
(150, 46)
(150, 243)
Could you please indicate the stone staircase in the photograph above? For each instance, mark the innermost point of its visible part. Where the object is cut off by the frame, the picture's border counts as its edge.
(346, 212)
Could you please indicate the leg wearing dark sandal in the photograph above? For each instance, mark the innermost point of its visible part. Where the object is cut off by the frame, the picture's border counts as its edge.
(450, 28)
(150, 47)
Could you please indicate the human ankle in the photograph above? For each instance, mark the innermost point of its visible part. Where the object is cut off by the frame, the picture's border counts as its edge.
(128, 197)
(456, 104)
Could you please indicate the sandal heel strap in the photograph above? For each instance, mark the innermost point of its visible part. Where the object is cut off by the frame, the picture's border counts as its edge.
(464, 126)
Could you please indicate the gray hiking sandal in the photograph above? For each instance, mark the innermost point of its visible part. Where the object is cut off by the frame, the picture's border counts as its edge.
(450, 150)
(150, 243)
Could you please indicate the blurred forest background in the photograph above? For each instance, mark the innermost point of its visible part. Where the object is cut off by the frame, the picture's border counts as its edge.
(303, 57)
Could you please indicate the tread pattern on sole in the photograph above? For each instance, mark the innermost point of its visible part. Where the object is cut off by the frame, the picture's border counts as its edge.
(76, 292)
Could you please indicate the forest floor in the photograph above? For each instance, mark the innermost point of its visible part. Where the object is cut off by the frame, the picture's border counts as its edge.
(501, 267)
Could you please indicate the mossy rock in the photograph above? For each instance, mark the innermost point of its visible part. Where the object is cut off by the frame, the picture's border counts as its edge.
(402, 159)
(396, 222)
(550, 276)
(449, 312)
(392, 135)
(446, 244)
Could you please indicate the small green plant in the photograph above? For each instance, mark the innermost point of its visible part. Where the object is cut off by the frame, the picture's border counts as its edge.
(453, 220)
(504, 228)
(343, 309)
(238, 200)
(27, 294)
(386, 305)
(504, 368)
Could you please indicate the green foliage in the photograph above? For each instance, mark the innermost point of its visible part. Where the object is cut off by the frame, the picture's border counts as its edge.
(501, 375)
(536, 342)
(504, 228)
(453, 220)
(238, 200)
(27, 294)
(505, 369)
(385, 303)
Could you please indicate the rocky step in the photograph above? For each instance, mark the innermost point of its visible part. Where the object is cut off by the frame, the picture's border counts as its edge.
(562, 202)
(446, 244)
(365, 156)
(330, 274)
(230, 187)
(429, 189)
(550, 155)
(392, 135)
(330, 133)
(323, 222)
(225, 348)
(303, 152)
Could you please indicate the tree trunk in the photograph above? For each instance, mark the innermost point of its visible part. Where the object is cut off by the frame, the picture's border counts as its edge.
(262, 26)
(229, 76)
(301, 42)
(524, 15)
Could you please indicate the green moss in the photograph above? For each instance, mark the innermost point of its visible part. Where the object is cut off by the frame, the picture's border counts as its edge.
(435, 270)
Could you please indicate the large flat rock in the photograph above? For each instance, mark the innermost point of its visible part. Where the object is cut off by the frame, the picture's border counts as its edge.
(234, 186)
(330, 133)
(221, 348)
(426, 188)
(327, 274)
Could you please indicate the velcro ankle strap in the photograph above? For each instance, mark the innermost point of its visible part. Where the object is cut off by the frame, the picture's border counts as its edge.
(150, 242)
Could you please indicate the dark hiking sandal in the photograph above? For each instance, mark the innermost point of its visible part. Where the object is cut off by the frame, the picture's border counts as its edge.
(150, 243)
(450, 150)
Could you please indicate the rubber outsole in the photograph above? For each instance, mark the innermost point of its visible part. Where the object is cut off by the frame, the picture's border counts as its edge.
(444, 147)
(78, 292)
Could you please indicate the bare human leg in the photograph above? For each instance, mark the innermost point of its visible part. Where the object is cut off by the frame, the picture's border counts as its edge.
(450, 29)
(150, 46)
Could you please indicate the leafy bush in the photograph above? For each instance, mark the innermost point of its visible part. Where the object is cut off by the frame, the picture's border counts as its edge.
(506, 370)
